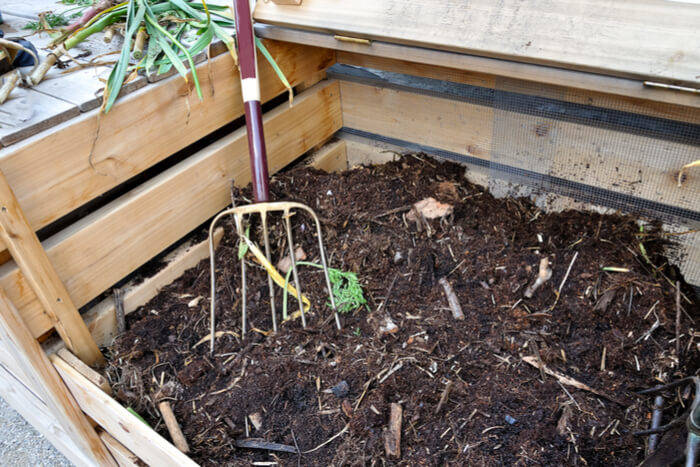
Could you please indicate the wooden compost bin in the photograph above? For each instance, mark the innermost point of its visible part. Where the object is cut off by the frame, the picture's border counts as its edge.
(341, 118)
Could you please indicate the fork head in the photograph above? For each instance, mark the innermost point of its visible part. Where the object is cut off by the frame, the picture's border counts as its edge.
(287, 208)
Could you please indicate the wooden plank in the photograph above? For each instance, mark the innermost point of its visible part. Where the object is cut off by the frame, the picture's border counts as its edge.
(44, 379)
(102, 320)
(363, 151)
(331, 157)
(621, 162)
(100, 249)
(122, 455)
(576, 80)
(569, 94)
(96, 378)
(40, 275)
(28, 112)
(34, 410)
(648, 39)
(118, 422)
(61, 169)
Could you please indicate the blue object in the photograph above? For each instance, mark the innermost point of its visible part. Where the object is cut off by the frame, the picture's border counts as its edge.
(510, 420)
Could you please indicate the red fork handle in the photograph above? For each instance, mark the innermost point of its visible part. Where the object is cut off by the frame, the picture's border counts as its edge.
(250, 87)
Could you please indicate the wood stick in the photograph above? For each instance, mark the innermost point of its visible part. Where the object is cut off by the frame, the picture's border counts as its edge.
(563, 379)
(444, 397)
(452, 299)
(173, 426)
(256, 443)
(678, 322)
(392, 436)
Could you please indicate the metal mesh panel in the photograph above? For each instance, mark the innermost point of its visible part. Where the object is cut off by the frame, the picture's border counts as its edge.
(583, 147)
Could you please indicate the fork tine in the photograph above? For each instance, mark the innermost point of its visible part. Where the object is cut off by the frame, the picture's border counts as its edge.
(325, 270)
(270, 284)
(290, 241)
(239, 226)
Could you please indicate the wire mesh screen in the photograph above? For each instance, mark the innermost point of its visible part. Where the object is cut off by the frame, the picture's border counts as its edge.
(556, 143)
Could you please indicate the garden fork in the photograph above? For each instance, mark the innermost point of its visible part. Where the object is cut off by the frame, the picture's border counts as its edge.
(250, 89)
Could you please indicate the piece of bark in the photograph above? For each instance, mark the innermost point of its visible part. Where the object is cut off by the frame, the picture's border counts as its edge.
(173, 427)
(392, 436)
(452, 299)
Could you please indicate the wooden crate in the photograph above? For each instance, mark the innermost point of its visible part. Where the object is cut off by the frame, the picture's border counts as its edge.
(370, 118)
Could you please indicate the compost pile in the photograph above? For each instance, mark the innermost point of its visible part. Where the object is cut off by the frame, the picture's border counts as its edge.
(465, 387)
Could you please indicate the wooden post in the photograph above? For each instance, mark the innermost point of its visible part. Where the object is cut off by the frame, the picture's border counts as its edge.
(31, 258)
(45, 381)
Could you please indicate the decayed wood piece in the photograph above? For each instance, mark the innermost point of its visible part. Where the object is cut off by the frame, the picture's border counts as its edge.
(565, 34)
(452, 299)
(173, 426)
(125, 234)
(42, 377)
(118, 422)
(392, 435)
(96, 378)
(66, 166)
(39, 273)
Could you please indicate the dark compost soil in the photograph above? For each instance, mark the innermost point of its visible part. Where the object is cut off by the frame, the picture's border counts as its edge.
(500, 410)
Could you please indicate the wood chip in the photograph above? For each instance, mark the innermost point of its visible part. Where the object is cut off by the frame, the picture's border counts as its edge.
(452, 299)
(392, 435)
(429, 208)
(256, 420)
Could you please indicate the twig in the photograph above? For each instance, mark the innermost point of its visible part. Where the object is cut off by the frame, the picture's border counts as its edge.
(655, 422)
(563, 379)
(394, 211)
(388, 293)
(444, 397)
(173, 426)
(392, 436)
(540, 363)
(452, 299)
(257, 443)
(296, 445)
(566, 276)
(329, 440)
(678, 322)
